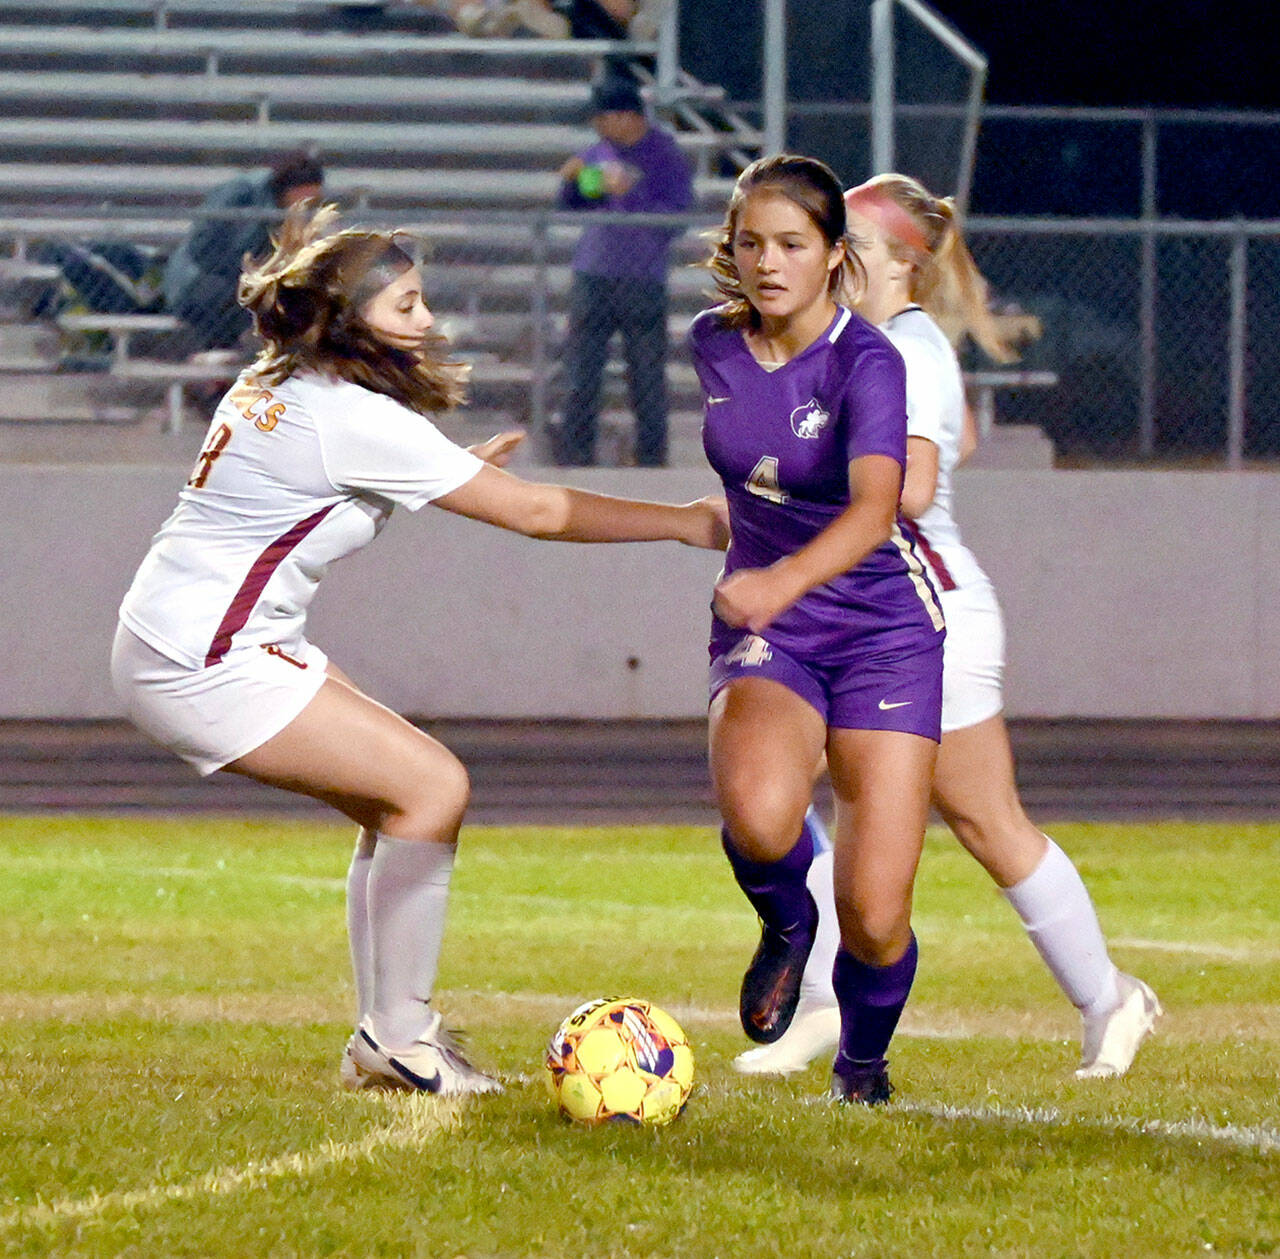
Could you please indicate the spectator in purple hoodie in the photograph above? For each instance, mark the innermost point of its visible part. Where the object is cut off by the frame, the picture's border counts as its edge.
(620, 270)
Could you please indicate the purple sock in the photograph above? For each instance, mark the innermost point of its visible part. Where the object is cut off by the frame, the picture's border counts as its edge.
(871, 1000)
(776, 889)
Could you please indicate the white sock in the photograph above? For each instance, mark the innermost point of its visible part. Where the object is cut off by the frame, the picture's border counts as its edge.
(1056, 910)
(358, 919)
(815, 983)
(408, 892)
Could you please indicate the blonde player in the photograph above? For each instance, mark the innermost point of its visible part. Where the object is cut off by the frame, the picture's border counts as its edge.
(920, 275)
(305, 458)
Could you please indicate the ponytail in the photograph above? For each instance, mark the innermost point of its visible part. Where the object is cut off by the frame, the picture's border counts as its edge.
(946, 281)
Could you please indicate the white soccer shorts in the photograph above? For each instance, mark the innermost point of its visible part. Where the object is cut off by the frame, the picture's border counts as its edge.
(972, 656)
(215, 715)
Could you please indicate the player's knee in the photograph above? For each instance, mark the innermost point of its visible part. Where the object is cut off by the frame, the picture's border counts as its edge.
(992, 835)
(450, 793)
(433, 806)
(764, 823)
(874, 931)
(966, 828)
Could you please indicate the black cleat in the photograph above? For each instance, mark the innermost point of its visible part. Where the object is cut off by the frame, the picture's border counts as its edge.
(771, 986)
(863, 1086)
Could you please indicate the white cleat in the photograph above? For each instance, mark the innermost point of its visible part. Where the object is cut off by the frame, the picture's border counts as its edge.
(814, 1033)
(1111, 1040)
(432, 1064)
(351, 1074)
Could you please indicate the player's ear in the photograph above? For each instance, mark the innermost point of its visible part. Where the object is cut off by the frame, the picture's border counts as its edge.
(836, 257)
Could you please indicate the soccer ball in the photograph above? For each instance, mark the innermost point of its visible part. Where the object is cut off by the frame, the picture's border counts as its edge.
(620, 1058)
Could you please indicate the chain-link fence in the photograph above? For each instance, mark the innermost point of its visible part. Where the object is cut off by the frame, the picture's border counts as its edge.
(1159, 335)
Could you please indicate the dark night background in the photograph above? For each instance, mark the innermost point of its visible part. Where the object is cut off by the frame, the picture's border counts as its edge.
(1126, 53)
(1133, 53)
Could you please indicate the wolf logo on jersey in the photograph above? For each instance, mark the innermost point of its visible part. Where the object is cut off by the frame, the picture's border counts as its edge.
(809, 420)
(752, 651)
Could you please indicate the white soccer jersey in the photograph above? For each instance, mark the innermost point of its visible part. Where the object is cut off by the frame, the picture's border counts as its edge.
(291, 478)
(935, 411)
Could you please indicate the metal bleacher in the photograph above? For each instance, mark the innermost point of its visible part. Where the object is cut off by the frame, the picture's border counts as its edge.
(118, 116)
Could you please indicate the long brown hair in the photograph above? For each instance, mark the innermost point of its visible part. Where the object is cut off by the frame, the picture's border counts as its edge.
(945, 281)
(814, 187)
(306, 297)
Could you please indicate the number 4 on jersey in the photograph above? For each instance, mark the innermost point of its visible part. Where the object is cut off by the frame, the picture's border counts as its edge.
(763, 481)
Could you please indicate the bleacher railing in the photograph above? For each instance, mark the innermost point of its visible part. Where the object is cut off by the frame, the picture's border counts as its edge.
(1160, 335)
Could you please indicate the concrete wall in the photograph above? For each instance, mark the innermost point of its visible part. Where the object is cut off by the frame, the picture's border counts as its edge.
(1127, 594)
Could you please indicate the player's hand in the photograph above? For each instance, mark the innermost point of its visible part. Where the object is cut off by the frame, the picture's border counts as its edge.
(498, 449)
(571, 169)
(752, 598)
(710, 527)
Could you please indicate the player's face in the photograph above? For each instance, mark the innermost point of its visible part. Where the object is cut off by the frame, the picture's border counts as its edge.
(784, 262)
(887, 276)
(398, 316)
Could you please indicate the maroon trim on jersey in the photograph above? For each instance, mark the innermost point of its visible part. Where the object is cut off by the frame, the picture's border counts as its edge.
(934, 560)
(259, 574)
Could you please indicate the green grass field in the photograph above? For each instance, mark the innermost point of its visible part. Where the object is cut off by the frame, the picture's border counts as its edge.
(175, 997)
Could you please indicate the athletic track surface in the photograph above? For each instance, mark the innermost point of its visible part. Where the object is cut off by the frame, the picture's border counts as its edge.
(655, 771)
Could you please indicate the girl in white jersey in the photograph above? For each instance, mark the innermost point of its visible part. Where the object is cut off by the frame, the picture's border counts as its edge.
(920, 275)
(305, 458)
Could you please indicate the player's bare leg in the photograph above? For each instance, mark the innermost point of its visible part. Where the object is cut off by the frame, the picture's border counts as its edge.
(976, 793)
(408, 792)
(367, 761)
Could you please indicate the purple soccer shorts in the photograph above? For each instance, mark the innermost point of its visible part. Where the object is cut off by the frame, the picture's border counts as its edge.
(898, 691)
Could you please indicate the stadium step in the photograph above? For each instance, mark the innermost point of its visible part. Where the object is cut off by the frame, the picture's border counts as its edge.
(207, 96)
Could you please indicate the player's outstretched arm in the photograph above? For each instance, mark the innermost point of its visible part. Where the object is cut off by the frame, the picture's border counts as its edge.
(559, 513)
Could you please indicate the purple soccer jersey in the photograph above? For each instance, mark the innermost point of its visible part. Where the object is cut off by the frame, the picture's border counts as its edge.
(781, 442)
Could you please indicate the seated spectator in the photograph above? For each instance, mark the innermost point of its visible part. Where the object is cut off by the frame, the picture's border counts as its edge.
(502, 18)
(202, 276)
(113, 277)
(598, 19)
(646, 21)
(552, 19)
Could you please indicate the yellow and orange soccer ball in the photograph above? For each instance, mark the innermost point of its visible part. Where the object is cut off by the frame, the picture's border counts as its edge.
(620, 1059)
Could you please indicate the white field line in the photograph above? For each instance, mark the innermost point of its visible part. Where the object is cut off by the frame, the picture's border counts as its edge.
(693, 1015)
(1263, 1138)
(926, 926)
(423, 1118)
(428, 1116)
(1220, 952)
(1055, 1023)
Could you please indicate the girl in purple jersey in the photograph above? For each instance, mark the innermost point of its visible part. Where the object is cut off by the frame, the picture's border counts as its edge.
(308, 454)
(827, 635)
(921, 280)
